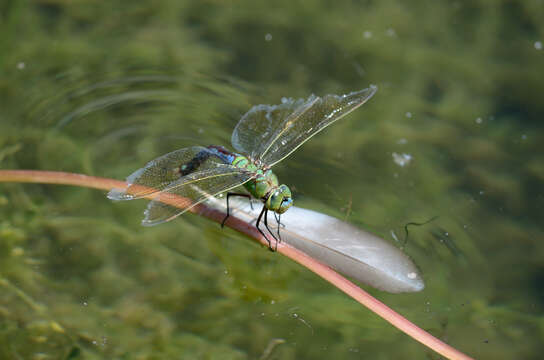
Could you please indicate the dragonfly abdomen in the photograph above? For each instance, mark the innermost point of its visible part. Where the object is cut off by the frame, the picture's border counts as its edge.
(223, 154)
(213, 150)
(189, 167)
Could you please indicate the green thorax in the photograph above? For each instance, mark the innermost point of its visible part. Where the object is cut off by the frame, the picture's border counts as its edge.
(263, 183)
(265, 186)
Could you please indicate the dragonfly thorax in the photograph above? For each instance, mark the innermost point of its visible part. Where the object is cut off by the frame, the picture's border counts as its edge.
(264, 183)
(265, 186)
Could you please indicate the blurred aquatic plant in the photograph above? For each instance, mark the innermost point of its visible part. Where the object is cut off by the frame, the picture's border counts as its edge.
(460, 92)
(298, 234)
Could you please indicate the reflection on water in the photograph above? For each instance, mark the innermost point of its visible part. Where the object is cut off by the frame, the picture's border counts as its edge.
(453, 133)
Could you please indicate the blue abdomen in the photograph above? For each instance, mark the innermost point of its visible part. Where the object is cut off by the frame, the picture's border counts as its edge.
(223, 154)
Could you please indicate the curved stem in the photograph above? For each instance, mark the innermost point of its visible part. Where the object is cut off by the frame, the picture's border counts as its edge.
(395, 319)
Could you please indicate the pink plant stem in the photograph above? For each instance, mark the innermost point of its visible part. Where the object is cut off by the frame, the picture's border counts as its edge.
(395, 319)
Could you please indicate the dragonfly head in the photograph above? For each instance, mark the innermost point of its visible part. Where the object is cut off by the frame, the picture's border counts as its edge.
(280, 199)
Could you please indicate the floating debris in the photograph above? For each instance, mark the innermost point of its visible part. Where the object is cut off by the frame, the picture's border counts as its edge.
(402, 159)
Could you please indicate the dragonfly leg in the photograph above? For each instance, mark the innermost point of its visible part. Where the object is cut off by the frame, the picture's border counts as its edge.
(257, 225)
(228, 207)
(258, 228)
(270, 231)
(278, 218)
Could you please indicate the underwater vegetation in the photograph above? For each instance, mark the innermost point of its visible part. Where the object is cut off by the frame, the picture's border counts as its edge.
(100, 88)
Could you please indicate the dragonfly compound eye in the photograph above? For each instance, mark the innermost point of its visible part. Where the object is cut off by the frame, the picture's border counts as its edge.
(280, 200)
(285, 204)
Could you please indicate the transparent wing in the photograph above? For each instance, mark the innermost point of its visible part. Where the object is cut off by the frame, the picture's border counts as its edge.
(193, 191)
(161, 178)
(157, 174)
(272, 132)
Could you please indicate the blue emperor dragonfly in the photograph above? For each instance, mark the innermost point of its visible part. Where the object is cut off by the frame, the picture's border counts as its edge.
(266, 134)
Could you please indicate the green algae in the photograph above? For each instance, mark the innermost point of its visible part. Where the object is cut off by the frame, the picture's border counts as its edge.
(103, 88)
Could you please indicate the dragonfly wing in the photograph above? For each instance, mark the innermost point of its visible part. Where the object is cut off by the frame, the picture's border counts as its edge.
(183, 178)
(190, 191)
(261, 123)
(159, 173)
(272, 132)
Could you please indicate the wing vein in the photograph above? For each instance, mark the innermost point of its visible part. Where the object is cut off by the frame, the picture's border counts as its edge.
(183, 210)
(172, 187)
(288, 123)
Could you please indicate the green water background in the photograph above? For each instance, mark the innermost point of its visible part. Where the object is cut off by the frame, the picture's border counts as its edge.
(101, 88)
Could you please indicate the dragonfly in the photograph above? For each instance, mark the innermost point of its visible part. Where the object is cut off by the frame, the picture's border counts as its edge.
(263, 137)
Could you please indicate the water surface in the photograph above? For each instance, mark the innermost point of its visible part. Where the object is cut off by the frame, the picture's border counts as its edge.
(454, 132)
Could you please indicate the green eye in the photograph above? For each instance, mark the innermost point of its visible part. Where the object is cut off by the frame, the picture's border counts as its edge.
(280, 200)
(285, 204)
